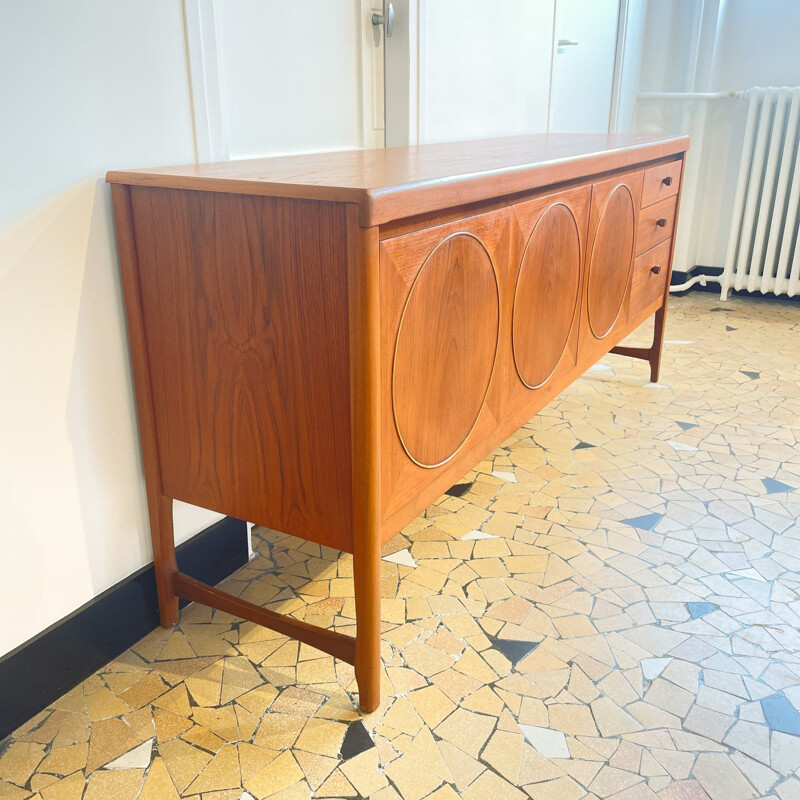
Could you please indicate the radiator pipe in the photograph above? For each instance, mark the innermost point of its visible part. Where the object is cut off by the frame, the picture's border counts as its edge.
(732, 93)
(701, 279)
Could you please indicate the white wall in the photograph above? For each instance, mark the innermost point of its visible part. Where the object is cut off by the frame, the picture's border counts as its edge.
(758, 44)
(709, 46)
(84, 86)
(88, 86)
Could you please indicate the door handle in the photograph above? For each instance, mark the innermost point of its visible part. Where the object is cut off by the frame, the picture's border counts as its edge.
(386, 19)
(567, 43)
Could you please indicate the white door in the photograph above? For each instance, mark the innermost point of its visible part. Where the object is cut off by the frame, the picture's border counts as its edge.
(583, 65)
(290, 77)
(468, 69)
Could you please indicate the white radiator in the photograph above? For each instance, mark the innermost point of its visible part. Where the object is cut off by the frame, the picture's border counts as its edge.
(763, 252)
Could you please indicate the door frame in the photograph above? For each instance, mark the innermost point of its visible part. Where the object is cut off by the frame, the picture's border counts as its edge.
(205, 70)
(405, 61)
(402, 61)
(205, 81)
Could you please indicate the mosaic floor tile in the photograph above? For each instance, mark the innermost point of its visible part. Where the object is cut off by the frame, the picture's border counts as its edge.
(458, 490)
(138, 758)
(546, 742)
(775, 487)
(697, 610)
(356, 740)
(512, 649)
(474, 535)
(508, 477)
(645, 522)
(781, 715)
(403, 557)
(653, 667)
(606, 606)
(681, 446)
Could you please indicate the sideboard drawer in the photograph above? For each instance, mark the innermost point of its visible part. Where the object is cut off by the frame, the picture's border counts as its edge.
(650, 271)
(656, 223)
(661, 182)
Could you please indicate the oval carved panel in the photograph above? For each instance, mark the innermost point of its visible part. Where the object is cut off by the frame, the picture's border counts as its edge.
(610, 261)
(445, 350)
(546, 295)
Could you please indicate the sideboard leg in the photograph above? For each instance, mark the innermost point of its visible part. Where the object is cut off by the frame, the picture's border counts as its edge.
(658, 342)
(159, 507)
(365, 425)
(367, 578)
(163, 536)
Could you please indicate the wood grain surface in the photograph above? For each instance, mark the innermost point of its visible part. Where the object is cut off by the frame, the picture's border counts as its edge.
(656, 223)
(397, 182)
(445, 349)
(650, 273)
(402, 259)
(159, 506)
(610, 255)
(245, 312)
(661, 181)
(547, 294)
(365, 428)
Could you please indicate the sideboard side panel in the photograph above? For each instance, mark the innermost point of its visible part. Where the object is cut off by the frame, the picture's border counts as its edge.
(246, 316)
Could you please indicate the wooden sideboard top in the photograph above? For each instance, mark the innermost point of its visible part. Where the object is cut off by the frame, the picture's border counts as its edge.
(397, 182)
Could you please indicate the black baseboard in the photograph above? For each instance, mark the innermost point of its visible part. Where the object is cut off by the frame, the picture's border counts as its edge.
(42, 669)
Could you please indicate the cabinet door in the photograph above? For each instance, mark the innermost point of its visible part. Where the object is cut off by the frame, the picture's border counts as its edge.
(548, 279)
(441, 292)
(612, 234)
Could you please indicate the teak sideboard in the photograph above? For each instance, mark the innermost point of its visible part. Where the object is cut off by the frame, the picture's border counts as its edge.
(323, 344)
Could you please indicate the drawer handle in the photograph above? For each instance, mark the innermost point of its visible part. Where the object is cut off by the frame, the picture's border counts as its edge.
(667, 181)
(656, 269)
(662, 223)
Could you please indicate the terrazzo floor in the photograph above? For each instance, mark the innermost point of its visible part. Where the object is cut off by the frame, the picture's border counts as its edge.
(608, 607)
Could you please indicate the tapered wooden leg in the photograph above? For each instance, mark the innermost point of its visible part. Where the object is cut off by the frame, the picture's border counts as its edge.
(658, 342)
(163, 536)
(367, 579)
(365, 354)
(650, 354)
(158, 506)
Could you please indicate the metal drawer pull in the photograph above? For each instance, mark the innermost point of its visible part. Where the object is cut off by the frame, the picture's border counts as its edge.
(662, 223)
(656, 269)
(667, 181)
